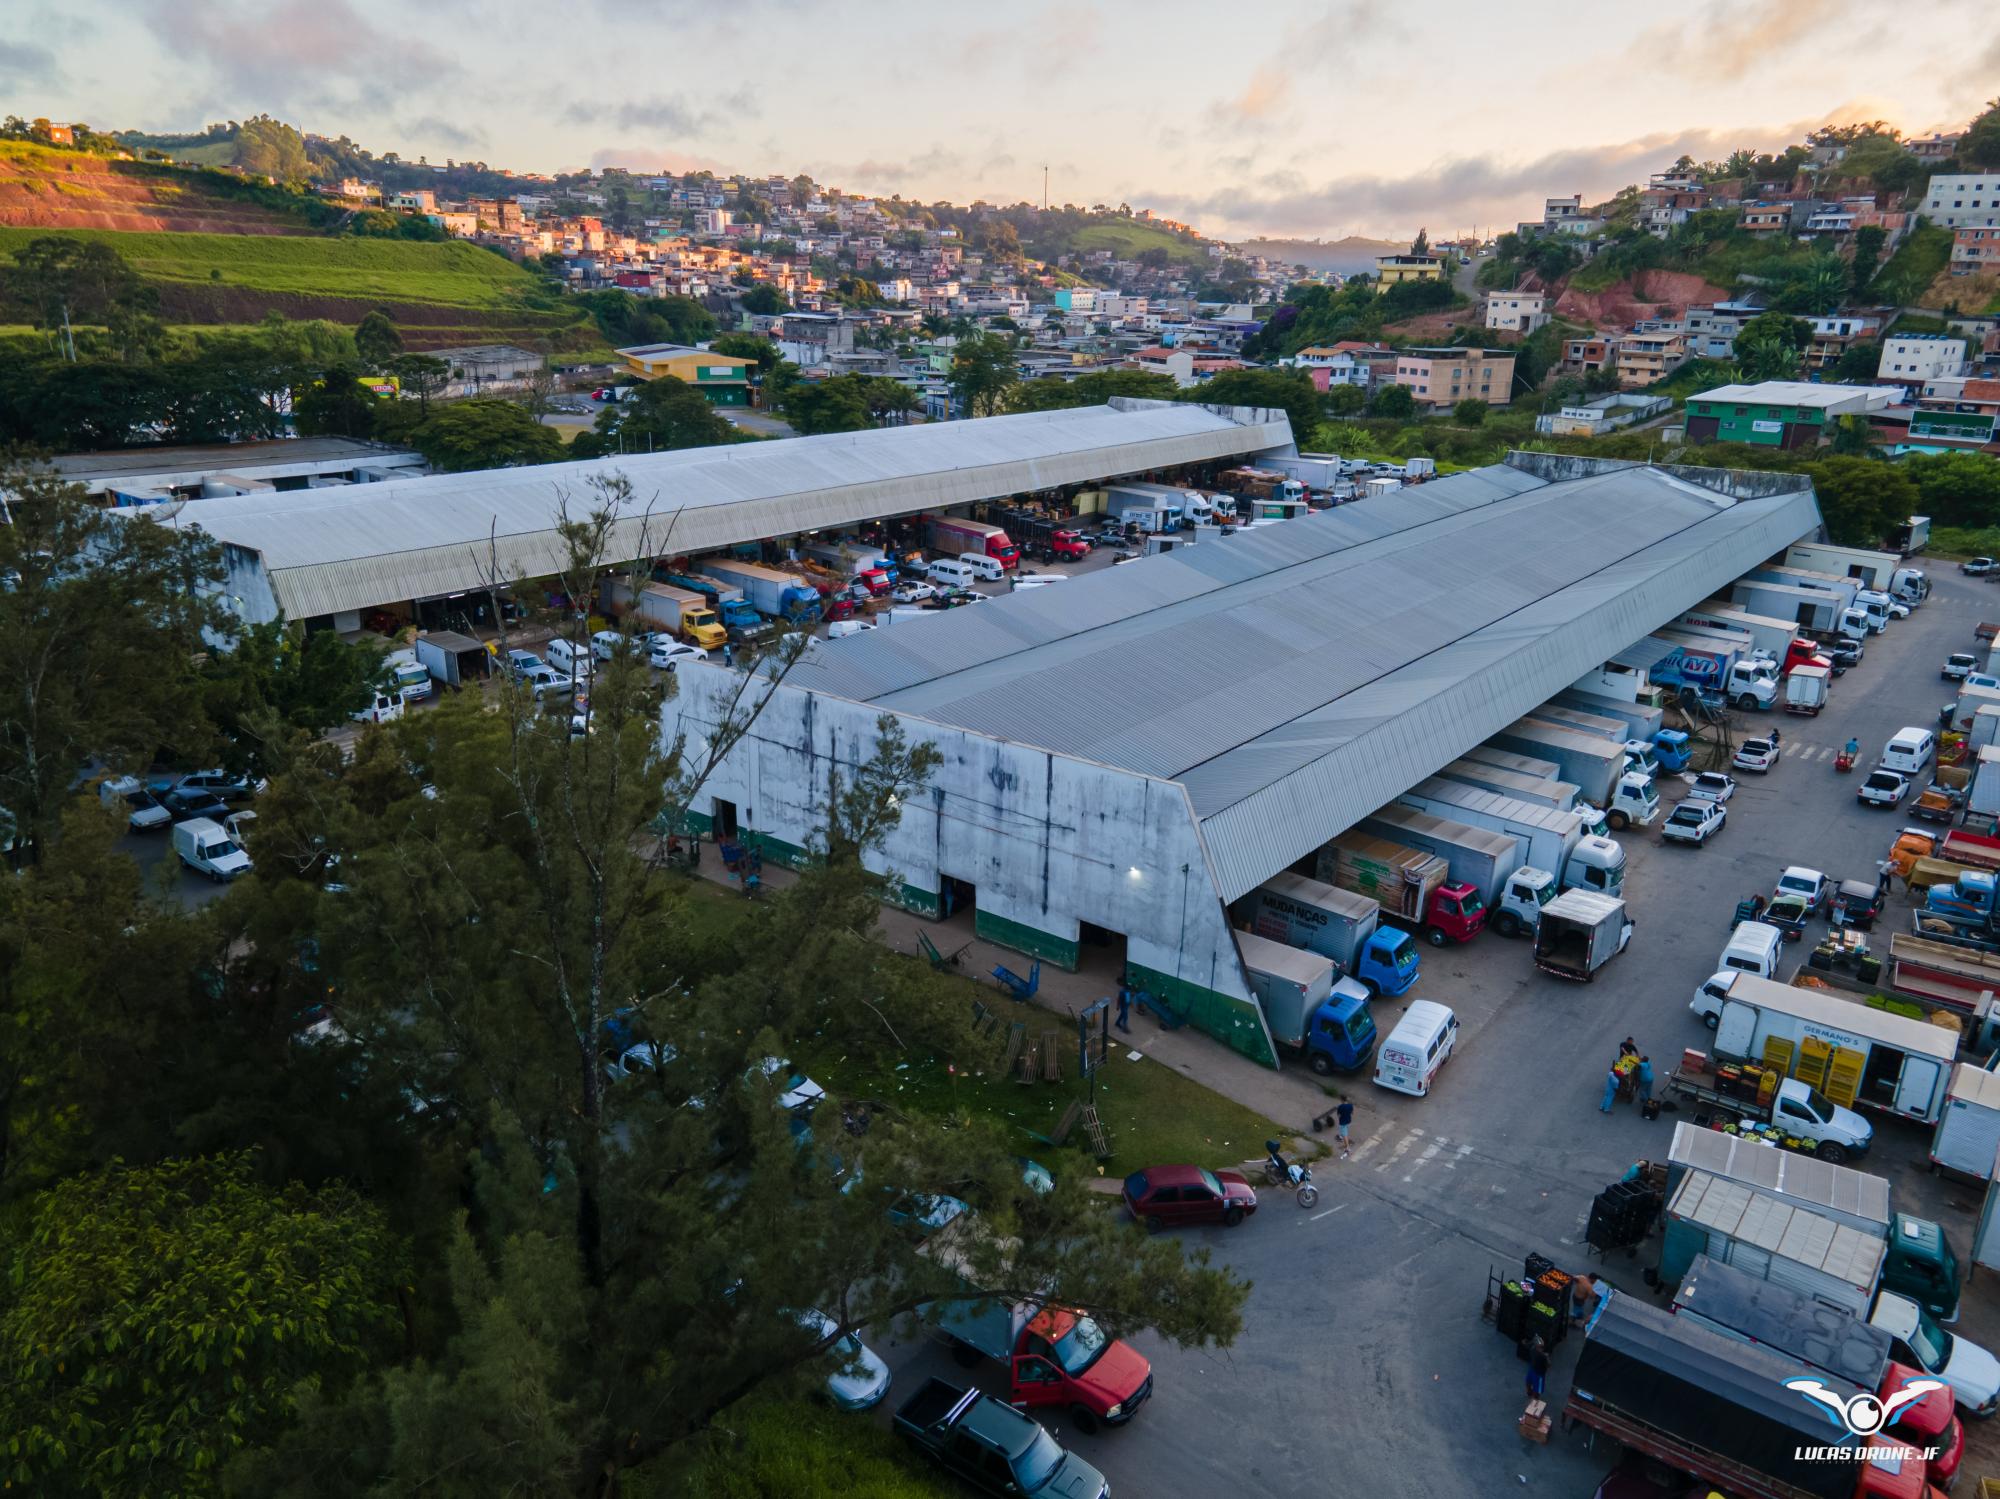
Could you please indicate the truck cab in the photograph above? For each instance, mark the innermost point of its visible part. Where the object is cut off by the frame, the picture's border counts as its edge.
(1972, 1372)
(701, 627)
(1640, 759)
(1457, 914)
(1596, 863)
(993, 1446)
(1342, 1034)
(1874, 607)
(1753, 683)
(1595, 824)
(1387, 962)
(1634, 802)
(1920, 1264)
(1522, 897)
(1670, 748)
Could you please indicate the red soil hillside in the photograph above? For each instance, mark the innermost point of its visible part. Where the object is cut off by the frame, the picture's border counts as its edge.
(1666, 294)
(46, 189)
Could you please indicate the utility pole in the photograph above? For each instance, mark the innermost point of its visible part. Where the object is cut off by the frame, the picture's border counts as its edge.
(1045, 187)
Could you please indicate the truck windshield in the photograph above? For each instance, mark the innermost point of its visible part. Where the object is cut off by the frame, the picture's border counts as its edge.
(1038, 1464)
(1822, 1110)
(1471, 904)
(1360, 1028)
(1077, 1349)
(1406, 958)
(1930, 1343)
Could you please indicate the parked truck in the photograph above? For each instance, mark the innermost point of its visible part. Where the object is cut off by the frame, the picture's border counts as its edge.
(1150, 507)
(1580, 932)
(1511, 892)
(678, 611)
(408, 676)
(1777, 638)
(866, 565)
(1557, 796)
(1321, 471)
(1260, 484)
(1705, 662)
(1335, 923)
(1641, 720)
(1917, 1257)
(1597, 725)
(1406, 884)
(1806, 689)
(1098, 1379)
(993, 1446)
(1593, 765)
(1911, 537)
(1813, 610)
(1523, 765)
(1050, 537)
(1717, 1409)
(738, 618)
(1311, 1011)
(1853, 1053)
(954, 537)
(772, 592)
(1771, 1239)
(1885, 572)
(1967, 1138)
(1549, 840)
(1964, 710)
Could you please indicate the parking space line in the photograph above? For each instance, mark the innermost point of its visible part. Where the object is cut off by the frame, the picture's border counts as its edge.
(1370, 1143)
(1328, 1213)
(1430, 1154)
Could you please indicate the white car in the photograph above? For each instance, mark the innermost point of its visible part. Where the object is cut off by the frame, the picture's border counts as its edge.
(840, 629)
(1695, 821)
(668, 653)
(1808, 884)
(606, 643)
(1756, 754)
(544, 680)
(1972, 1372)
(1883, 788)
(860, 1379)
(913, 592)
(143, 812)
(1959, 666)
(1712, 786)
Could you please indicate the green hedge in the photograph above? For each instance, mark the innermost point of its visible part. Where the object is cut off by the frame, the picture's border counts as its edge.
(798, 1450)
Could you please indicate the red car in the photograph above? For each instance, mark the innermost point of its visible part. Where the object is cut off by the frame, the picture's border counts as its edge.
(1169, 1196)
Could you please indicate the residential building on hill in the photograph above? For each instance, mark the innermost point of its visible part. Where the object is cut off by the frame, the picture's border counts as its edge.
(1605, 414)
(1586, 356)
(1962, 199)
(1974, 250)
(1516, 311)
(1913, 358)
(1392, 270)
(1444, 377)
(1647, 358)
(1779, 413)
(1935, 147)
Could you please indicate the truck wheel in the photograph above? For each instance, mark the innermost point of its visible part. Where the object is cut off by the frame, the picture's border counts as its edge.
(1712, 1021)
(1231, 1217)
(1086, 1420)
(1436, 936)
(1619, 821)
(1374, 989)
(965, 1357)
(1321, 1063)
(1507, 924)
(1747, 702)
(1828, 1151)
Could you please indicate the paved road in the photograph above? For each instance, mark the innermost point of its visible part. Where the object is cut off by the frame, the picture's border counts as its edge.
(1364, 1366)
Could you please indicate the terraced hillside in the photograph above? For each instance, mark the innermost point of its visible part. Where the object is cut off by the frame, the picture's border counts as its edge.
(44, 188)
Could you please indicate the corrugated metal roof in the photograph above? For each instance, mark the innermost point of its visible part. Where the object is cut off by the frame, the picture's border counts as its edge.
(1298, 677)
(354, 548)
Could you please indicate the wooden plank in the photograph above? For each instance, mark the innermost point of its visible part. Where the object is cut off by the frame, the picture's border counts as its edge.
(1064, 1125)
(1017, 1035)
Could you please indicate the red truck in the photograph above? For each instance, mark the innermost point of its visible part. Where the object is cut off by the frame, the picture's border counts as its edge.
(954, 538)
(1054, 1356)
(1050, 537)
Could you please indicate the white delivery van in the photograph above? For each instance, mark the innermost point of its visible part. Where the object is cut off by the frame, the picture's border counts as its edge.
(408, 676)
(1753, 948)
(989, 568)
(1420, 1044)
(605, 644)
(1910, 751)
(569, 658)
(953, 572)
(206, 848)
(387, 708)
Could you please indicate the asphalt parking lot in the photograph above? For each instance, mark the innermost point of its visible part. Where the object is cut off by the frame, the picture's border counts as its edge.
(1364, 1366)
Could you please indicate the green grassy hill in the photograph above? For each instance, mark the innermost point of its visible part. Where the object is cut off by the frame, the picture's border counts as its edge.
(438, 294)
(1128, 238)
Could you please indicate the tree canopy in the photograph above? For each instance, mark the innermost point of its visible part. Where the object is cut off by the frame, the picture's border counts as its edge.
(484, 433)
(660, 415)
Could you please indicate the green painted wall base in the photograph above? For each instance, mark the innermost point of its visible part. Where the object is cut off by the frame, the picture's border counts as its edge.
(1060, 951)
(775, 849)
(917, 902)
(1236, 1022)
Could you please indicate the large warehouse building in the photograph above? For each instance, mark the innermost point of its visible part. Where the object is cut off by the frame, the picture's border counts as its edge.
(1126, 754)
(329, 556)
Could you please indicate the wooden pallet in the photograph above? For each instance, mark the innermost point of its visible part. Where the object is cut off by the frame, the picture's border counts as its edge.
(1017, 1036)
(1094, 1127)
(1030, 1063)
(1068, 1122)
(1051, 1056)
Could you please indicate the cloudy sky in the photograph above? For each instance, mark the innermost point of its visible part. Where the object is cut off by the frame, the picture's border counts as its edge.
(1282, 117)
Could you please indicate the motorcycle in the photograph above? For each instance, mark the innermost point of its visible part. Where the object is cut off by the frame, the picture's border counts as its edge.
(1282, 1173)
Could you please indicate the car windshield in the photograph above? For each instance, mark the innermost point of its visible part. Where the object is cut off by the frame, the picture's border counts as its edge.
(140, 798)
(1796, 885)
(1038, 1464)
(1817, 1102)
(1077, 1349)
(1472, 904)
(1930, 1343)
(1691, 816)
(1209, 1180)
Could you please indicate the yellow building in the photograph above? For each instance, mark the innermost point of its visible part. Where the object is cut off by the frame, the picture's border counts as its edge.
(1444, 377)
(1390, 270)
(723, 378)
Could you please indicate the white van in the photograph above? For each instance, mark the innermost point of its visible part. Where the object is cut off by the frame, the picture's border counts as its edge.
(1753, 948)
(1910, 751)
(569, 658)
(206, 848)
(605, 644)
(953, 572)
(1420, 1044)
(989, 568)
(408, 676)
(387, 708)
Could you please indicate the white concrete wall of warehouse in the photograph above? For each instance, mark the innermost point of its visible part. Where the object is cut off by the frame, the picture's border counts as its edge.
(1041, 837)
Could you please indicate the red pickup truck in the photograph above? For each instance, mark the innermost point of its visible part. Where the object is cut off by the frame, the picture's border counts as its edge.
(1054, 1357)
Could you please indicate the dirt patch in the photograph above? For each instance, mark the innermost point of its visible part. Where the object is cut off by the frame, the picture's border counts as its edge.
(1658, 294)
(62, 190)
(1974, 294)
(1438, 326)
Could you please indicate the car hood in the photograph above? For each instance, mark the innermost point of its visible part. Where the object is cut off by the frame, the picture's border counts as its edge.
(1117, 1375)
(1073, 1479)
(1972, 1372)
(1236, 1187)
(862, 1384)
(149, 817)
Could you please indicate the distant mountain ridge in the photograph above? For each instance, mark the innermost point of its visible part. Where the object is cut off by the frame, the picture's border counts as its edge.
(1342, 256)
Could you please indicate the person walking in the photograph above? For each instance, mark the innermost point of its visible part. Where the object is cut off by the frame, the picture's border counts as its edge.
(728, 653)
(1124, 1022)
(1610, 1091)
(1538, 1367)
(1343, 1120)
(1645, 1081)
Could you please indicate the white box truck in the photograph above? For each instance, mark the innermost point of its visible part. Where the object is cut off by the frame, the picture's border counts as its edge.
(1805, 689)
(206, 848)
(1984, 794)
(1770, 1239)
(1488, 860)
(1524, 765)
(1968, 1132)
(1861, 1057)
(1551, 840)
(1558, 796)
(1592, 764)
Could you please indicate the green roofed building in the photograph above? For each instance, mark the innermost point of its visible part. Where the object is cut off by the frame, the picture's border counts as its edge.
(1780, 413)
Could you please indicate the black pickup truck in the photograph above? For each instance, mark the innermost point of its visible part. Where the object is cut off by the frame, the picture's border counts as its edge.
(994, 1447)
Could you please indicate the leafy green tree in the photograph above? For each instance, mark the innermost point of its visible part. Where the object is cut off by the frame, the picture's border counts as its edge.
(1868, 242)
(1469, 413)
(1816, 288)
(983, 374)
(1346, 400)
(158, 1319)
(1852, 436)
(1771, 346)
(1288, 390)
(271, 148)
(748, 346)
(661, 415)
(60, 281)
(485, 434)
(846, 403)
(1956, 489)
(765, 300)
(1980, 146)
(376, 340)
(419, 375)
(1395, 402)
(1858, 362)
(336, 405)
(1093, 389)
(101, 619)
(1861, 499)
(275, 681)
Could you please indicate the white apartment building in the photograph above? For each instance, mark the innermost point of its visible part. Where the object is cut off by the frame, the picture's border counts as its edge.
(1914, 358)
(1962, 199)
(1516, 311)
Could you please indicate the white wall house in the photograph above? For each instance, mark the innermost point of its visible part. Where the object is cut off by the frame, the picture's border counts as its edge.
(1962, 199)
(1914, 358)
(1516, 311)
